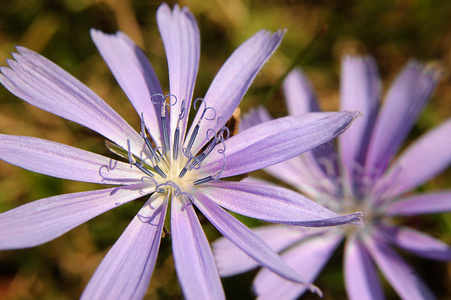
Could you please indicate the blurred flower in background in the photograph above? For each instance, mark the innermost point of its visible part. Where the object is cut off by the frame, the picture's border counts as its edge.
(362, 176)
(392, 31)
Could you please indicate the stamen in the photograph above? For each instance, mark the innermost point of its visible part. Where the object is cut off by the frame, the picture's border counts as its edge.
(203, 180)
(183, 172)
(133, 162)
(193, 136)
(221, 151)
(164, 125)
(159, 171)
(144, 170)
(176, 144)
(201, 157)
(143, 134)
(177, 132)
(164, 128)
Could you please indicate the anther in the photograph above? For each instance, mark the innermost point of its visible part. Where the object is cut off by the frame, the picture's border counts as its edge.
(203, 180)
(144, 170)
(176, 143)
(147, 140)
(193, 137)
(183, 172)
(164, 127)
(159, 171)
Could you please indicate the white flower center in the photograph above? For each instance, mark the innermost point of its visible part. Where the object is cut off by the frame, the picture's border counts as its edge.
(171, 166)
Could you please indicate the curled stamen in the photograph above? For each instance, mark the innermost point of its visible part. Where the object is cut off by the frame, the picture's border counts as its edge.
(197, 126)
(177, 191)
(169, 96)
(205, 110)
(197, 100)
(163, 118)
(187, 153)
(221, 137)
(176, 145)
(221, 151)
(106, 171)
(155, 100)
(145, 178)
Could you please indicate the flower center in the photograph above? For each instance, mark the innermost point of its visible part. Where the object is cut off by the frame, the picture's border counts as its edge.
(349, 196)
(172, 165)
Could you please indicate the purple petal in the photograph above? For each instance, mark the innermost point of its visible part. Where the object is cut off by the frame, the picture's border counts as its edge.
(273, 204)
(299, 94)
(420, 204)
(303, 172)
(43, 220)
(254, 117)
(181, 39)
(194, 262)
(399, 274)
(360, 90)
(244, 238)
(361, 277)
(427, 157)
(405, 101)
(300, 99)
(134, 73)
(275, 141)
(416, 242)
(232, 82)
(63, 161)
(231, 260)
(126, 270)
(307, 258)
(45, 85)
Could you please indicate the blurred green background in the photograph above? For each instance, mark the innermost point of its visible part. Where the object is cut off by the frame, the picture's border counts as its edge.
(392, 31)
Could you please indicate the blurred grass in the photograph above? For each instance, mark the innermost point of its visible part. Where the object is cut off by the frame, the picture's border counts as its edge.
(392, 31)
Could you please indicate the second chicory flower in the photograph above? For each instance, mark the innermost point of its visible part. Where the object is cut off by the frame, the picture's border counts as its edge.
(362, 176)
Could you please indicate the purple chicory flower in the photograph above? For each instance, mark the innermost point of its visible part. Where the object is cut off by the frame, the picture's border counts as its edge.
(361, 176)
(175, 166)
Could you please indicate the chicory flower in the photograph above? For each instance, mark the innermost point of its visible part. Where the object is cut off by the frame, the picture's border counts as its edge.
(364, 176)
(177, 166)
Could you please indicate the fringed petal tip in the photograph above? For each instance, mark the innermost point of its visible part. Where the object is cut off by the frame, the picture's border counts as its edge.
(356, 114)
(352, 115)
(315, 290)
(356, 219)
(277, 35)
(349, 219)
(432, 70)
(166, 9)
